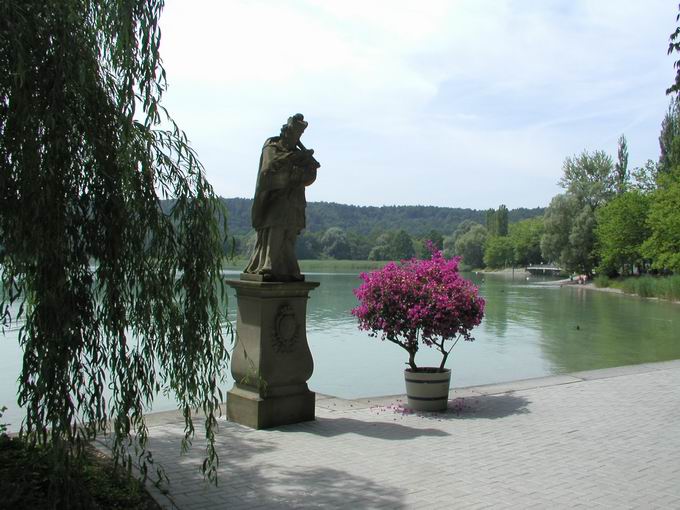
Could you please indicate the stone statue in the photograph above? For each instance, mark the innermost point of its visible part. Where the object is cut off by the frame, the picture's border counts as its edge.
(278, 212)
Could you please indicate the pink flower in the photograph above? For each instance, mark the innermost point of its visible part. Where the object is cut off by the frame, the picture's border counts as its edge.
(419, 302)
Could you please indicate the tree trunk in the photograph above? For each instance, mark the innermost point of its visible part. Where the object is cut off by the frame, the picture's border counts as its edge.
(412, 360)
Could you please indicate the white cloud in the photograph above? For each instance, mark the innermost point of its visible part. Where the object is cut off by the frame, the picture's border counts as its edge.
(403, 98)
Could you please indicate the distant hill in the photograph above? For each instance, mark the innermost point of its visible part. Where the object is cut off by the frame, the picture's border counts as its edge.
(417, 220)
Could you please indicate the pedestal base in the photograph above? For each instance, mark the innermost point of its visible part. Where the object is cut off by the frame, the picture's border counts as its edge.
(249, 409)
(271, 362)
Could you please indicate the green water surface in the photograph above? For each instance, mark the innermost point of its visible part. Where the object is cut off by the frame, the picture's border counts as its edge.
(530, 329)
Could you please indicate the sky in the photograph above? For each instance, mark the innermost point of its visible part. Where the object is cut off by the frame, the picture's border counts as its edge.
(454, 103)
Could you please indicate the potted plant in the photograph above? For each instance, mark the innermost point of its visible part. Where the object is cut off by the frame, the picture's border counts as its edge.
(420, 302)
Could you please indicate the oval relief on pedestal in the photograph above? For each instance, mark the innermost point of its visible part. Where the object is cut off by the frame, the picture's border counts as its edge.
(286, 329)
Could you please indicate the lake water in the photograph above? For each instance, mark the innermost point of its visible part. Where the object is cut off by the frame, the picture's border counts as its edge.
(530, 330)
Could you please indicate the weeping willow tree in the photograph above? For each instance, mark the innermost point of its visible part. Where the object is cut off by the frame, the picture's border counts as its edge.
(120, 301)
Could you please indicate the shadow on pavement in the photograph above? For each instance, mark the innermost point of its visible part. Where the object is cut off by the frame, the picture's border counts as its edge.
(332, 488)
(490, 407)
(330, 427)
(255, 472)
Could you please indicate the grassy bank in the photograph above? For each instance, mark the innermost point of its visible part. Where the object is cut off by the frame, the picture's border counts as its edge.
(321, 266)
(24, 481)
(664, 287)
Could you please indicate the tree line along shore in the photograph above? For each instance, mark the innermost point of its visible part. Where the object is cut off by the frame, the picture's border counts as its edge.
(610, 220)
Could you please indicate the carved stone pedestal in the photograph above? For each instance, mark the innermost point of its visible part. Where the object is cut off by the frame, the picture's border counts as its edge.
(271, 362)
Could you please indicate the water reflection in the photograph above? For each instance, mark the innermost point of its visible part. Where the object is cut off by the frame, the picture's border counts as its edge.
(530, 330)
(605, 330)
(496, 294)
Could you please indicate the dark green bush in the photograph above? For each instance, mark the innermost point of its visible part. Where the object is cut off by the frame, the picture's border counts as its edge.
(667, 287)
(643, 286)
(602, 281)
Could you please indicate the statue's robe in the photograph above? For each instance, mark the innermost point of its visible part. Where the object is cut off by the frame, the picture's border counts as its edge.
(278, 212)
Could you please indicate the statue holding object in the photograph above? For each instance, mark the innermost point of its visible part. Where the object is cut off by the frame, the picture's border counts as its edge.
(278, 213)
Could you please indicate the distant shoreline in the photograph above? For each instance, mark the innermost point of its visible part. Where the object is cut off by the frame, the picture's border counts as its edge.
(319, 265)
(508, 271)
(613, 290)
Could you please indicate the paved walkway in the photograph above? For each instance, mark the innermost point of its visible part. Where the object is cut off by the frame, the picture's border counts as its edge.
(601, 439)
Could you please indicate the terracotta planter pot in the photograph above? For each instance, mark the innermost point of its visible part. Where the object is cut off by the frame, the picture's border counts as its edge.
(427, 388)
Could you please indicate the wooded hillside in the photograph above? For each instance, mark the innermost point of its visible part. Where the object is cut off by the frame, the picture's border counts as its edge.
(417, 220)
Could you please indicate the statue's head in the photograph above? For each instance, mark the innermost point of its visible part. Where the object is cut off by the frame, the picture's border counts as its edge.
(294, 127)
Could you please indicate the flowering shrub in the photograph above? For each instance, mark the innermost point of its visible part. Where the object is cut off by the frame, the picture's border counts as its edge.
(419, 301)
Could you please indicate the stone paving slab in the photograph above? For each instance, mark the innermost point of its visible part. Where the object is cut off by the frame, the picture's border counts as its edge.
(630, 369)
(602, 439)
(523, 384)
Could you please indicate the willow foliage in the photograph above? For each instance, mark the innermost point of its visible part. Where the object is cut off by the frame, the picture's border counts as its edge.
(120, 301)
